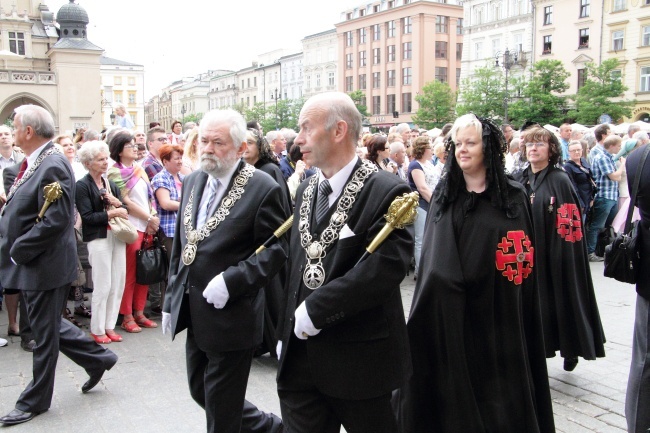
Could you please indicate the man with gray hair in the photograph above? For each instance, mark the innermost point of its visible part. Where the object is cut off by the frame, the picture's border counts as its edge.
(642, 137)
(278, 143)
(405, 131)
(344, 347)
(396, 156)
(38, 255)
(215, 291)
(632, 129)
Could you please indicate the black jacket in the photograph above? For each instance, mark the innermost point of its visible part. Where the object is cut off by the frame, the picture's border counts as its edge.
(90, 205)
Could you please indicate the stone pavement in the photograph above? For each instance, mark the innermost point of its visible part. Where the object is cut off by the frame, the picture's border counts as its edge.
(147, 389)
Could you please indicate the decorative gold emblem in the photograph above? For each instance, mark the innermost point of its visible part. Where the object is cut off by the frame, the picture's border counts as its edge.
(52, 193)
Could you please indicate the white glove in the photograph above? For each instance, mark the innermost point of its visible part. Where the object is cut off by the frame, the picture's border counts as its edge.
(304, 327)
(166, 323)
(217, 293)
(278, 349)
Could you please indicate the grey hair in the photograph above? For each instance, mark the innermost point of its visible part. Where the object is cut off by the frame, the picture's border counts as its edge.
(288, 134)
(90, 149)
(641, 136)
(514, 144)
(466, 121)
(38, 118)
(590, 138)
(633, 128)
(396, 146)
(402, 128)
(230, 117)
(91, 135)
(439, 149)
(272, 135)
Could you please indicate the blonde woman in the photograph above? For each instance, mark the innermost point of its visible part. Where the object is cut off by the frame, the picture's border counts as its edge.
(191, 160)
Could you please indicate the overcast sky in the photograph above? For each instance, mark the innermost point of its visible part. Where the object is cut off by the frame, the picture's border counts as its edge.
(187, 37)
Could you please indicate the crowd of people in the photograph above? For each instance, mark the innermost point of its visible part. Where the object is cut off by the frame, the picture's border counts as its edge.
(507, 223)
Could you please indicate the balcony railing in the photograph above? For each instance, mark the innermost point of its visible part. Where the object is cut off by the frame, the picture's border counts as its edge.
(27, 77)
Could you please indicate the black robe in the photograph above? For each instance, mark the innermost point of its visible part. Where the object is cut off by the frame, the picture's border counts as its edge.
(569, 308)
(475, 328)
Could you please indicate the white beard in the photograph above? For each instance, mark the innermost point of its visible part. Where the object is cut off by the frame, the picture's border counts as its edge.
(216, 167)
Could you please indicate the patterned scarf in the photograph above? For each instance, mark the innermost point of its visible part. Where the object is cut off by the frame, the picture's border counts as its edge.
(125, 178)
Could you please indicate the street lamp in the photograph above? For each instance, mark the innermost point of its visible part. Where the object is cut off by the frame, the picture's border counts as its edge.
(183, 113)
(112, 116)
(509, 60)
(276, 109)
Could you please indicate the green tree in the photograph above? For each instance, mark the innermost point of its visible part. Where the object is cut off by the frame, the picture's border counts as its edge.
(240, 108)
(196, 118)
(482, 94)
(260, 113)
(597, 96)
(359, 99)
(436, 105)
(542, 101)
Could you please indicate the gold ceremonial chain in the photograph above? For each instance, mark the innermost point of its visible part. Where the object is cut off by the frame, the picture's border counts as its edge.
(53, 192)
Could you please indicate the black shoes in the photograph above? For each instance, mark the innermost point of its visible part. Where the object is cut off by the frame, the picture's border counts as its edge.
(570, 363)
(27, 346)
(17, 416)
(95, 377)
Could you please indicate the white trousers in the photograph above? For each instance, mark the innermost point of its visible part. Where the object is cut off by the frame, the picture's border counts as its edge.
(108, 260)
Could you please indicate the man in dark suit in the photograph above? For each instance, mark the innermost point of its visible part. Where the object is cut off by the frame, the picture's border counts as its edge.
(344, 347)
(228, 209)
(39, 258)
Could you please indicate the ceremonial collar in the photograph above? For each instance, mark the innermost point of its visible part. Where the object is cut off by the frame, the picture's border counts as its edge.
(339, 179)
(31, 159)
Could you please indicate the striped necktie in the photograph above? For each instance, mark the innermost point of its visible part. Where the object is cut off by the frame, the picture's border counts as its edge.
(322, 204)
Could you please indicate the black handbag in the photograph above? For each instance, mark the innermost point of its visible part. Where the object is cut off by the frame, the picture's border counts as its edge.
(151, 262)
(622, 256)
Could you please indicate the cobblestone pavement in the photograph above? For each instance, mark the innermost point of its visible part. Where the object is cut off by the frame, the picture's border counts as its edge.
(147, 389)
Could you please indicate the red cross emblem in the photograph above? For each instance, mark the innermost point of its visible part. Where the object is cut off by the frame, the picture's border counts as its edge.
(515, 256)
(569, 223)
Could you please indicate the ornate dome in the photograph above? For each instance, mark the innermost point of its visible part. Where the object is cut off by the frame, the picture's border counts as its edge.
(72, 13)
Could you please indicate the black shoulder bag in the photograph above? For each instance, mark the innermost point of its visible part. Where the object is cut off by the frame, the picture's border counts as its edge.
(622, 255)
(151, 262)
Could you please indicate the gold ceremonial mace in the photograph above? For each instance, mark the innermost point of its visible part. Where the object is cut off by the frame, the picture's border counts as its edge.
(52, 192)
(401, 212)
(276, 235)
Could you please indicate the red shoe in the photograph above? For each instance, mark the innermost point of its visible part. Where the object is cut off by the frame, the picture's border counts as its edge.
(130, 326)
(144, 322)
(100, 339)
(114, 336)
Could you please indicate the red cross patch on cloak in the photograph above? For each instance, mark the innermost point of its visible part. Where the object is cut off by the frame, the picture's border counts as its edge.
(569, 223)
(515, 256)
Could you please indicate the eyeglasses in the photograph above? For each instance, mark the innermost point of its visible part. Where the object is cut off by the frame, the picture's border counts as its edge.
(540, 144)
(576, 151)
(130, 146)
(162, 139)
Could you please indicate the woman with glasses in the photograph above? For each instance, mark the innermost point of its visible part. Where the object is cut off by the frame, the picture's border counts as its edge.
(134, 186)
(378, 153)
(474, 327)
(258, 154)
(569, 309)
(107, 254)
(580, 176)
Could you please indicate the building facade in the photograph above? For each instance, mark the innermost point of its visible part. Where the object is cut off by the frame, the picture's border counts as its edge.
(291, 78)
(320, 57)
(626, 37)
(122, 83)
(223, 91)
(390, 49)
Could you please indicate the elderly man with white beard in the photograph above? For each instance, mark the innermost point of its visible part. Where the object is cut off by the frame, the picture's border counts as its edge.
(228, 209)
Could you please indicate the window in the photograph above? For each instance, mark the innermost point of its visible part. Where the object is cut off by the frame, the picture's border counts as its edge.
(644, 85)
(390, 78)
(496, 44)
(646, 36)
(362, 12)
(617, 40)
(362, 36)
(317, 80)
(117, 81)
(582, 77)
(391, 53)
(496, 11)
(390, 29)
(441, 74)
(308, 81)
(376, 8)
(407, 77)
(131, 97)
(348, 39)
(619, 5)
(17, 43)
(348, 61)
(478, 50)
(242, 84)
(548, 44)
(131, 81)
(407, 25)
(391, 4)
(518, 42)
(478, 14)
(376, 56)
(548, 15)
(348, 84)
(441, 50)
(459, 26)
(406, 102)
(406, 51)
(362, 81)
(441, 24)
(248, 82)
(376, 80)
(255, 79)
(376, 32)
(459, 51)
(584, 8)
(362, 58)
(117, 97)
(390, 104)
(376, 105)
(616, 75)
(584, 38)
(457, 76)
